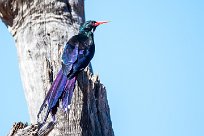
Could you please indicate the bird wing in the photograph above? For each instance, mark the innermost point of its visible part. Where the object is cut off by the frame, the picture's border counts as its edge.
(84, 58)
(69, 56)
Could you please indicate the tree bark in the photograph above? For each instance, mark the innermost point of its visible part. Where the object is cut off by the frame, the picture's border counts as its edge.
(40, 29)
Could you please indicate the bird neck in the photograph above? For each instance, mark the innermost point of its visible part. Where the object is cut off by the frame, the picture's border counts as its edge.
(89, 34)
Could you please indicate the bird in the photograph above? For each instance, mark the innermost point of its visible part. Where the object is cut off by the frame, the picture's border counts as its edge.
(77, 54)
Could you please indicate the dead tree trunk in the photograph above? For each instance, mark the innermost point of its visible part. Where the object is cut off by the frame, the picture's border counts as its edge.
(40, 29)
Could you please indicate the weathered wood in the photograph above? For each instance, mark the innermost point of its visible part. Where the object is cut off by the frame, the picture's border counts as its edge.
(40, 29)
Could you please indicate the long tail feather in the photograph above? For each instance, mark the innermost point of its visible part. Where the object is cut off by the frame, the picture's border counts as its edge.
(68, 93)
(62, 88)
(53, 95)
(53, 88)
(57, 93)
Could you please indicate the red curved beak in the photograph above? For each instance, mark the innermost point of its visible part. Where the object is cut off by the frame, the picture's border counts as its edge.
(100, 22)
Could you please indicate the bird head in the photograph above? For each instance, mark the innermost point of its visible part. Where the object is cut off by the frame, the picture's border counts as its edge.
(90, 26)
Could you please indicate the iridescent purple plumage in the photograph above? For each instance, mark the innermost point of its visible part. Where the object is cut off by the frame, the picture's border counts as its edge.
(67, 95)
(63, 88)
(63, 85)
(77, 54)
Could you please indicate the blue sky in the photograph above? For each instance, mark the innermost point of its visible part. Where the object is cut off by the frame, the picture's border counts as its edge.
(150, 58)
